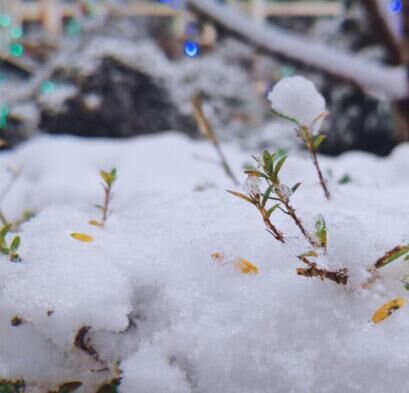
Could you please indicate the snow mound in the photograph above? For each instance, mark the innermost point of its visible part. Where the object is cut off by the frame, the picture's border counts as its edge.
(146, 302)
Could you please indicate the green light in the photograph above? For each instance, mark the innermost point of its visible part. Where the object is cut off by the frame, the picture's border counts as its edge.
(16, 32)
(47, 87)
(5, 20)
(4, 112)
(16, 49)
(73, 28)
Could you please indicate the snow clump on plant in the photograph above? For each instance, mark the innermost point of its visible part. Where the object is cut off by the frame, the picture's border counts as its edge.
(297, 99)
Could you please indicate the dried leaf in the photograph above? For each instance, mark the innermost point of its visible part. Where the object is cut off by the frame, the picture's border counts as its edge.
(68, 387)
(217, 256)
(95, 223)
(241, 196)
(391, 256)
(310, 253)
(246, 267)
(82, 237)
(387, 309)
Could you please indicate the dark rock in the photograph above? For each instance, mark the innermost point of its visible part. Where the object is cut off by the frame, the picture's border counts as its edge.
(116, 100)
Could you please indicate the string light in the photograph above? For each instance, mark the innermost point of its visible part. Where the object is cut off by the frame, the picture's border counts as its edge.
(191, 48)
(395, 6)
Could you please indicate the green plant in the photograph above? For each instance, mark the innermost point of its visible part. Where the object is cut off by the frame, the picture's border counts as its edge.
(279, 195)
(9, 249)
(269, 167)
(109, 178)
(12, 386)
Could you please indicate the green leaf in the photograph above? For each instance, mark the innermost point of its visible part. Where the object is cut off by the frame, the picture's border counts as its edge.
(241, 196)
(279, 165)
(318, 140)
(321, 232)
(266, 196)
(391, 256)
(345, 179)
(294, 188)
(12, 386)
(268, 162)
(110, 387)
(4, 231)
(15, 243)
(272, 209)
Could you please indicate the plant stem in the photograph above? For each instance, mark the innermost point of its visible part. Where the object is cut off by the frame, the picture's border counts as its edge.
(297, 220)
(340, 276)
(3, 218)
(107, 199)
(306, 136)
(278, 235)
(208, 131)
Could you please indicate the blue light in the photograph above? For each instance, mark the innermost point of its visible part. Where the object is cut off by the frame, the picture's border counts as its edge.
(191, 48)
(395, 6)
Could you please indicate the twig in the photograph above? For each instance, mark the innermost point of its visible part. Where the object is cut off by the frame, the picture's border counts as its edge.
(291, 212)
(340, 276)
(207, 130)
(306, 136)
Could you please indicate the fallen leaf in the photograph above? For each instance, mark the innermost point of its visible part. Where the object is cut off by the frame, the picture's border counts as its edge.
(387, 309)
(246, 267)
(82, 237)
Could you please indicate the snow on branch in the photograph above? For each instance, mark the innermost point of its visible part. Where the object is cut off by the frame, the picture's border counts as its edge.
(385, 82)
(386, 25)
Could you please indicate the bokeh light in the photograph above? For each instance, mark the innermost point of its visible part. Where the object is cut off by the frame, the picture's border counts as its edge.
(47, 87)
(5, 20)
(395, 6)
(16, 49)
(191, 48)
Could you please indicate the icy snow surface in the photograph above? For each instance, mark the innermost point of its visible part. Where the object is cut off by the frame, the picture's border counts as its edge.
(155, 301)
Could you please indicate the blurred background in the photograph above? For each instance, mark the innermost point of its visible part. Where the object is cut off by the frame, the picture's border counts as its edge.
(120, 68)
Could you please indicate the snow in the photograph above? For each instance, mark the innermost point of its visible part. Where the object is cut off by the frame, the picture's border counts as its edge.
(156, 302)
(298, 98)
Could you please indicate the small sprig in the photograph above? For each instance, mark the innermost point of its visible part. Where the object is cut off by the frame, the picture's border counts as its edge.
(109, 179)
(9, 249)
(339, 276)
(313, 143)
(297, 100)
(271, 165)
(208, 131)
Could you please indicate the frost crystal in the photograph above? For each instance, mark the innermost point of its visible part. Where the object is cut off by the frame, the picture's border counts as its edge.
(284, 190)
(297, 97)
(252, 185)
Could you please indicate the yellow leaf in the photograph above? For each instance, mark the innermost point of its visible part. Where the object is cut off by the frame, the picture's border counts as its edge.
(387, 309)
(246, 267)
(95, 223)
(82, 237)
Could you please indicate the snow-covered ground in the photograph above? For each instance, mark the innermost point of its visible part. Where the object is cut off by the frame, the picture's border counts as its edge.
(164, 314)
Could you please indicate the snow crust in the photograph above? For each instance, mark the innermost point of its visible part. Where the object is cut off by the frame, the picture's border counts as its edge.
(156, 302)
